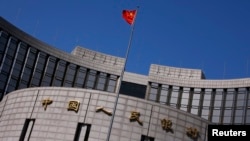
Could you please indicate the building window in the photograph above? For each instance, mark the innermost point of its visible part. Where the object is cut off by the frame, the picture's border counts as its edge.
(174, 96)
(133, 89)
(206, 104)
(247, 117)
(82, 132)
(185, 99)
(112, 83)
(7, 63)
(12, 47)
(91, 79)
(59, 74)
(80, 77)
(241, 97)
(239, 112)
(228, 107)
(28, 68)
(153, 92)
(163, 94)
(3, 43)
(39, 69)
(217, 107)
(101, 82)
(27, 129)
(146, 138)
(227, 116)
(49, 72)
(196, 101)
(18, 67)
(70, 75)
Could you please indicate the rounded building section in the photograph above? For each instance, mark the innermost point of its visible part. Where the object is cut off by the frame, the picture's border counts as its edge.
(54, 113)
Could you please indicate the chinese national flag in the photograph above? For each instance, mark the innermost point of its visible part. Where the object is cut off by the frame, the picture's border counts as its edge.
(129, 16)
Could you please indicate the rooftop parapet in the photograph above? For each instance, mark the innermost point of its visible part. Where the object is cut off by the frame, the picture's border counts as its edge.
(173, 72)
(99, 60)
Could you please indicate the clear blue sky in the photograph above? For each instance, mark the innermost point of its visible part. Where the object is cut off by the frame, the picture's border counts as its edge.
(212, 35)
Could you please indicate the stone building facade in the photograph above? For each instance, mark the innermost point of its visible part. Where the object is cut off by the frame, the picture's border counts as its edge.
(48, 94)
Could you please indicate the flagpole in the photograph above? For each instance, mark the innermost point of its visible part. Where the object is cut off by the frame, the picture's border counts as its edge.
(122, 74)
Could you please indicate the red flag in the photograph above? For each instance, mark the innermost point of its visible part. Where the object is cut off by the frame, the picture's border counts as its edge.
(129, 16)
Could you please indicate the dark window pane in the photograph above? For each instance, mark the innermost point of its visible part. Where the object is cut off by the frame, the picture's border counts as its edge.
(23, 84)
(3, 41)
(112, 83)
(26, 74)
(51, 65)
(91, 79)
(82, 132)
(31, 58)
(41, 62)
(59, 74)
(146, 138)
(101, 81)
(27, 129)
(12, 85)
(12, 47)
(7, 64)
(36, 79)
(3, 79)
(57, 82)
(81, 74)
(70, 75)
(46, 80)
(133, 89)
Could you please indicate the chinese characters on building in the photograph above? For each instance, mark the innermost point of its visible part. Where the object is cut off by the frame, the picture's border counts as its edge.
(101, 108)
(134, 116)
(46, 102)
(192, 132)
(73, 105)
(166, 124)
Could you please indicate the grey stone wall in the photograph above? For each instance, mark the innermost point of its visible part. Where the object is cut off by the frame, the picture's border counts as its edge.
(174, 72)
(191, 78)
(57, 123)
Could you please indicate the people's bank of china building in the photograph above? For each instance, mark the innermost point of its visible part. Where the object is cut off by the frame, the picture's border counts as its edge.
(47, 94)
